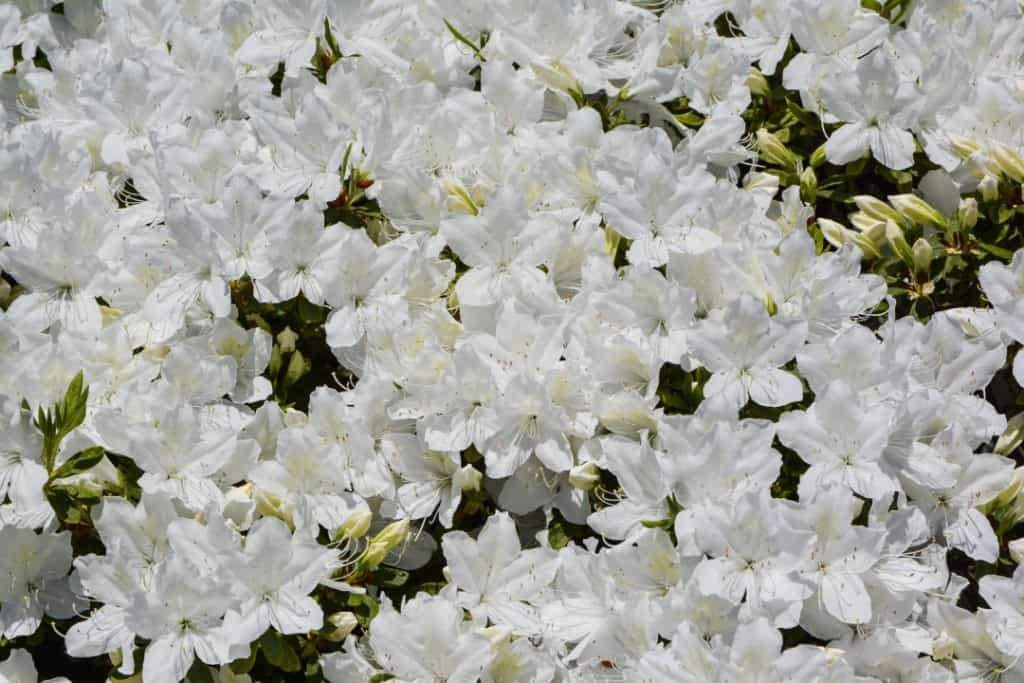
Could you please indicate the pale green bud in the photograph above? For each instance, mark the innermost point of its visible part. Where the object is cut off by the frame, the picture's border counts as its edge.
(809, 185)
(468, 478)
(339, 625)
(922, 257)
(963, 146)
(968, 213)
(771, 149)
(389, 538)
(286, 339)
(355, 525)
(864, 222)
(876, 208)
(989, 188)
(1012, 437)
(585, 477)
(757, 83)
(818, 157)
(274, 365)
(915, 209)
(1009, 162)
(894, 235)
(1016, 549)
(296, 368)
(834, 233)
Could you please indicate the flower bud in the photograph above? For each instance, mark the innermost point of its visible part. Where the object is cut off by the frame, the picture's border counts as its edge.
(556, 75)
(355, 525)
(943, 646)
(968, 213)
(296, 368)
(757, 83)
(894, 235)
(585, 477)
(915, 209)
(771, 149)
(468, 478)
(871, 241)
(989, 188)
(864, 222)
(1009, 162)
(809, 185)
(274, 365)
(1012, 436)
(339, 625)
(286, 339)
(922, 257)
(876, 208)
(818, 157)
(834, 233)
(269, 505)
(1016, 549)
(963, 146)
(384, 542)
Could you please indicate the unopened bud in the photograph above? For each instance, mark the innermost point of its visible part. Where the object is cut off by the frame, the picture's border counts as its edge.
(864, 222)
(1012, 437)
(296, 368)
(989, 188)
(876, 208)
(922, 257)
(339, 625)
(286, 339)
(468, 478)
(894, 235)
(818, 157)
(274, 365)
(963, 146)
(556, 75)
(1009, 162)
(757, 83)
(915, 209)
(944, 647)
(389, 538)
(355, 525)
(809, 185)
(1016, 549)
(871, 241)
(269, 505)
(585, 477)
(968, 213)
(771, 149)
(834, 233)
(769, 304)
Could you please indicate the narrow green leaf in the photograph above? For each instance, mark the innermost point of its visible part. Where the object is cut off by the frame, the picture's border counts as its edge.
(80, 462)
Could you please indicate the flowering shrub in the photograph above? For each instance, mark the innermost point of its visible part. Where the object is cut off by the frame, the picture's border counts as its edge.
(535, 341)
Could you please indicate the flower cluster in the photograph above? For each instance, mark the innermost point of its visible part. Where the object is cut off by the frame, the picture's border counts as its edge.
(521, 341)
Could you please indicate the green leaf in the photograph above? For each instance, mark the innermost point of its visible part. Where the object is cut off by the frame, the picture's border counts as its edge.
(244, 666)
(381, 677)
(199, 673)
(557, 538)
(278, 652)
(464, 40)
(998, 252)
(78, 463)
(390, 577)
(802, 115)
(363, 606)
(310, 313)
(62, 419)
